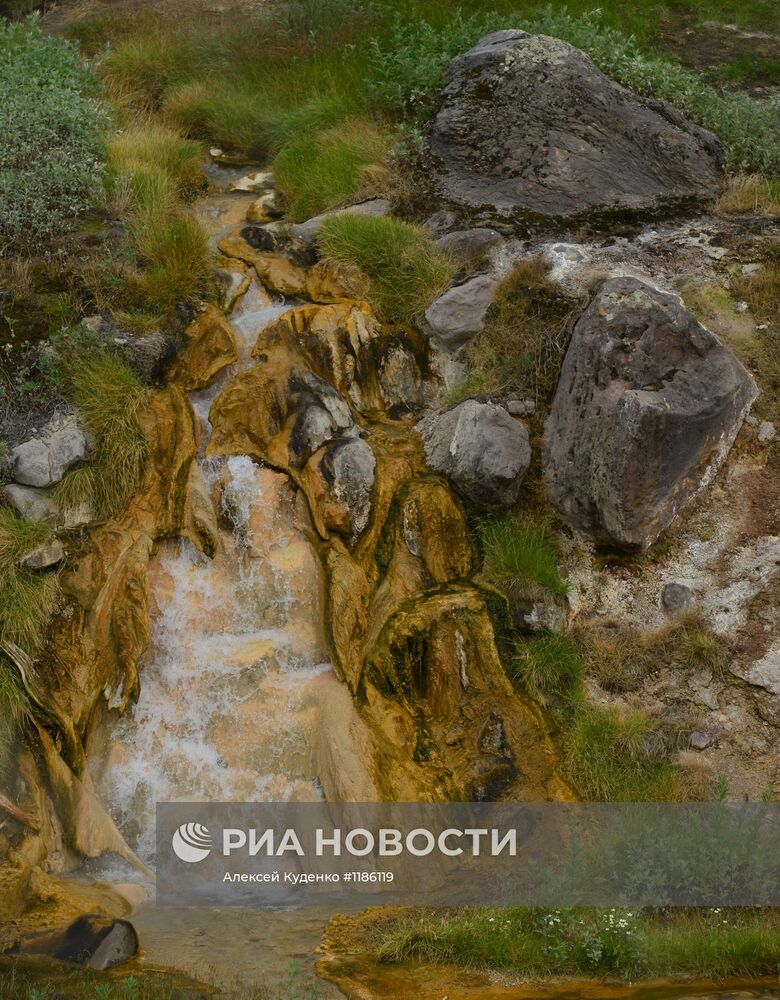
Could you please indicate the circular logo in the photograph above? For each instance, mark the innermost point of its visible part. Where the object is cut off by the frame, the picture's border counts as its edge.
(191, 842)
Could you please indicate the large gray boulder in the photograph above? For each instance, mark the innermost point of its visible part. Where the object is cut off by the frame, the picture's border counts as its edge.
(44, 459)
(531, 131)
(484, 451)
(647, 406)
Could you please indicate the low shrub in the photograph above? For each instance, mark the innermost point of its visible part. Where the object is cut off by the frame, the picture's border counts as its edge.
(108, 396)
(522, 344)
(404, 268)
(611, 755)
(322, 170)
(51, 155)
(517, 550)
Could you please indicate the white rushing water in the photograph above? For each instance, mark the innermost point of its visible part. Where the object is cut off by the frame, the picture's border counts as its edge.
(229, 685)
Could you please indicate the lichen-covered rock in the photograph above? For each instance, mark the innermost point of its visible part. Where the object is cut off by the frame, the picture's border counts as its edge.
(484, 451)
(647, 406)
(530, 130)
(209, 346)
(45, 458)
(458, 315)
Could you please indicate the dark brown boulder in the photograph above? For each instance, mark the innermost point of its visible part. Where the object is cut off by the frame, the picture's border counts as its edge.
(532, 132)
(647, 406)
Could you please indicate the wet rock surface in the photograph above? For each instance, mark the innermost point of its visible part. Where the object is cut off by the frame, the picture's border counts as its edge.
(532, 131)
(647, 406)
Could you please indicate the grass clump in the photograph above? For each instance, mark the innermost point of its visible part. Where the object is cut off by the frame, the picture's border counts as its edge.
(549, 666)
(320, 171)
(51, 155)
(153, 170)
(750, 193)
(611, 755)
(146, 145)
(403, 267)
(27, 597)
(518, 550)
(621, 657)
(761, 291)
(521, 347)
(644, 944)
(27, 601)
(108, 396)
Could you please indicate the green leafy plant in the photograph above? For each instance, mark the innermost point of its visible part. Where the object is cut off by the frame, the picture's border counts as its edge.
(404, 268)
(51, 155)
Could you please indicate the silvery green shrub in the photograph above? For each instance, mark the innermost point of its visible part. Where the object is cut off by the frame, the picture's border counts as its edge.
(51, 147)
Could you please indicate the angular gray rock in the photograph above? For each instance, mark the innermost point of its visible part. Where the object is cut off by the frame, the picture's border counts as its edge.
(531, 131)
(31, 503)
(484, 451)
(471, 244)
(307, 232)
(647, 406)
(458, 315)
(44, 459)
(48, 554)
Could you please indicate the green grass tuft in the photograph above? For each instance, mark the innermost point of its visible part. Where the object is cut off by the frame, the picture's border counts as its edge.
(549, 666)
(616, 756)
(108, 396)
(519, 550)
(319, 171)
(27, 602)
(176, 260)
(404, 268)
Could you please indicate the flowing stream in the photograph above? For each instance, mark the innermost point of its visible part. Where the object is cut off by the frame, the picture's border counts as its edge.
(230, 691)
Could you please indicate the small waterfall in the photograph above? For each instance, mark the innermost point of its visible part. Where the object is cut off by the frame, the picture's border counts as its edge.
(229, 685)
